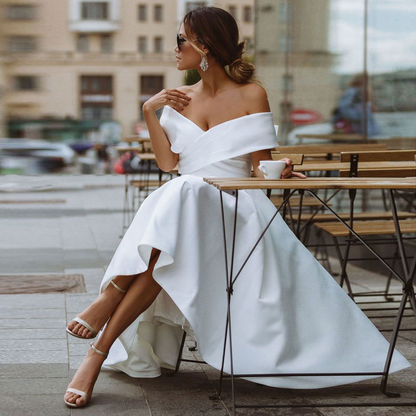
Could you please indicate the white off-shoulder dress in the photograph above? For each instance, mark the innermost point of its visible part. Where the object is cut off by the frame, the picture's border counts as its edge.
(288, 313)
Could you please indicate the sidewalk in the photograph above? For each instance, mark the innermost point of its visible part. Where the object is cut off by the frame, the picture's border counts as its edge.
(70, 225)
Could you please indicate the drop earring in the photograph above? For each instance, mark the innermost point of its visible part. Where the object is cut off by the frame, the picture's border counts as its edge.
(204, 63)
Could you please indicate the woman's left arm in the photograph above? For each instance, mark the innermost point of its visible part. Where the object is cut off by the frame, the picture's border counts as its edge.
(257, 97)
(266, 155)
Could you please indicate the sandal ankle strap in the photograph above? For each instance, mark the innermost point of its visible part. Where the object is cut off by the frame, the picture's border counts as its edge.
(118, 287)
(95, 349)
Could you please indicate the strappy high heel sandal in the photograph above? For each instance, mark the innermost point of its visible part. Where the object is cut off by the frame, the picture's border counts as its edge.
(79, 392)
(86, 324)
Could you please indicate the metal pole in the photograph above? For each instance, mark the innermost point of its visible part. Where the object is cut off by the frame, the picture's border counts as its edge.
(365, 80)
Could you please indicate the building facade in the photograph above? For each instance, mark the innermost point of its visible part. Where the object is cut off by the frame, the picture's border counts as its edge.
(91, 61)
(293, 57)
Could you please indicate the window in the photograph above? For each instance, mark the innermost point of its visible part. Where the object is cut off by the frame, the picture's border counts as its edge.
(25, 83)
(158, 16)
(142, 44)
(94, 10)
(190, 5)
(22, 44)
(142, 12)
(83, 43)
(106, 43)
(96, 84)
(233, 11)
(248, 14)
(149, 86)
(158, 46)
(96, 112)
(96, 97)
(20, 12)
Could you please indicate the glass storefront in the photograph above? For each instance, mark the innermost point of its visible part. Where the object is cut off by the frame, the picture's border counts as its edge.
(345, 66)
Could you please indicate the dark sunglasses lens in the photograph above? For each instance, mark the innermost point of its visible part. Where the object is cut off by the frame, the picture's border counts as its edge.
(179, 42)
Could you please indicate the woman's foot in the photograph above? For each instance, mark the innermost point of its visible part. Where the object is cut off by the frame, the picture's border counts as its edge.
(97, 314)
(85, 378)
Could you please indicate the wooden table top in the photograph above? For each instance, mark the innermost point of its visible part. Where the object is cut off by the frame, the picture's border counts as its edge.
(135, 139)
(330, 165)
(147, 156)
(225, 184)
(128, 148)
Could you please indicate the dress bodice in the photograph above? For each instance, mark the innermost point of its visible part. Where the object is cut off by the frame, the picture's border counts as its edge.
(222, 151)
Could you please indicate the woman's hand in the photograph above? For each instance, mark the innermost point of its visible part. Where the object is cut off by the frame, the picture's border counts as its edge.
(173, 98)
(288, 170)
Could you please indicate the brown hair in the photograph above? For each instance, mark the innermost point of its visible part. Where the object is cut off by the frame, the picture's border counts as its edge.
(218, 31)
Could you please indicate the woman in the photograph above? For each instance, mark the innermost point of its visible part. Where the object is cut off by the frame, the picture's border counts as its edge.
(168, 272)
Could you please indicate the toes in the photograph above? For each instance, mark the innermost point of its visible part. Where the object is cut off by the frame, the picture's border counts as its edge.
(80, 401)
(70, 397)
(85, 333)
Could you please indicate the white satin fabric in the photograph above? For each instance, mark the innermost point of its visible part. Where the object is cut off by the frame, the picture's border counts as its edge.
(288, 313)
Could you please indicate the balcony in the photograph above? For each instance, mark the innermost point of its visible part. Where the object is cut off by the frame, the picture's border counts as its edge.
(94, 16)
(94, 26)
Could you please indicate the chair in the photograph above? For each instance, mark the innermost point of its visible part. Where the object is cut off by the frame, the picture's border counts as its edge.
(367, 164)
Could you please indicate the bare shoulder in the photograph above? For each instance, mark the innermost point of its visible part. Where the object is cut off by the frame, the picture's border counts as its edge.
(186, 88)
(256, 98)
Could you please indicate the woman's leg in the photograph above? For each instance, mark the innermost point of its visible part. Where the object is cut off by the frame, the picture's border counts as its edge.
(98, 313)
(140, 295)
(101, 309)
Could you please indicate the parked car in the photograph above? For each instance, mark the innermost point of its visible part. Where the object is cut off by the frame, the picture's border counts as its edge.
(47, 156)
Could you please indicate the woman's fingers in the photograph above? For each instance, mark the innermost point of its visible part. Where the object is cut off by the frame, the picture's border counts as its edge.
(288, 170)
(177, 99)
(299, 175)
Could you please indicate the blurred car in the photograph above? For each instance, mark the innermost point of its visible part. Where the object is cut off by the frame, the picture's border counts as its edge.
(49, 156)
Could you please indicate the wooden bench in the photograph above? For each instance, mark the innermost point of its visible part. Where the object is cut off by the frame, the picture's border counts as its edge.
(307, 201)
(328, 150)
(357, 158)
(366, 223)
(363, 228)
(383, 215)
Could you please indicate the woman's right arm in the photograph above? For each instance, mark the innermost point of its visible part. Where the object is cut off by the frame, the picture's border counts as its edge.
(176, 99)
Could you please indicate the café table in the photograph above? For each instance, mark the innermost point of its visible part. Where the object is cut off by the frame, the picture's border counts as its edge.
(233, 186)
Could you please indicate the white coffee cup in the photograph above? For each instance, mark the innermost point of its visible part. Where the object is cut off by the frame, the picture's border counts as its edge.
(272, 169)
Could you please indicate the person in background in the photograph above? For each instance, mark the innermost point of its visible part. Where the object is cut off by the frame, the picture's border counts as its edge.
(348, 117)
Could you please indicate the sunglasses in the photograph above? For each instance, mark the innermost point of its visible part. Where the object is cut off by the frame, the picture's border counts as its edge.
(179, 41)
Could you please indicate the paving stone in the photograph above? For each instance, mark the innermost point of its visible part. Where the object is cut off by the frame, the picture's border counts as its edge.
(27, 371)
(179, 381)
(33, 405)
(184, 402)
(32, 386)
(32, 301)
(33, 345)
(79, 348)
(92, 278)
(47, 333)
(28, 234)
(38, 313)
(42, 323)
(76, 303)
(75, 361)
(32, 261)
(29, 357)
